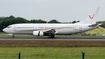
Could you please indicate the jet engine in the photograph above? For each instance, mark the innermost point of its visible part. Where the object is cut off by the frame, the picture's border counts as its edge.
(38, 33)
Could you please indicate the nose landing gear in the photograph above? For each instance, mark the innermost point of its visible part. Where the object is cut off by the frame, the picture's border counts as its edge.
(13, 36)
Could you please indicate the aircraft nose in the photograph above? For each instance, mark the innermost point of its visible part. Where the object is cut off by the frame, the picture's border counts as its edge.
(4, 30)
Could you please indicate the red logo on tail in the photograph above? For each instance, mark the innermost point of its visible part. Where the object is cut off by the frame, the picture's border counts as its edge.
(91, 17)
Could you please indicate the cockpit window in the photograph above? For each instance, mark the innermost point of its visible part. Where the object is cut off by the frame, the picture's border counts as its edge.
(9, 26)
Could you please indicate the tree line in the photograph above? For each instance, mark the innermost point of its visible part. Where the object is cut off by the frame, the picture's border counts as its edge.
(5, 21)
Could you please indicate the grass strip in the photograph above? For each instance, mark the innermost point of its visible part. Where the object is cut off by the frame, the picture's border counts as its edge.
(52, 52)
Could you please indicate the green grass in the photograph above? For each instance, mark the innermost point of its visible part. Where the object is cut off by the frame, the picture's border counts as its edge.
(52, 52)
(2, 33)
(99, 30)
(6, 35)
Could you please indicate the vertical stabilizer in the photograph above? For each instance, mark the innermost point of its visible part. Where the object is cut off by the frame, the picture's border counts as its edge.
(91, 19)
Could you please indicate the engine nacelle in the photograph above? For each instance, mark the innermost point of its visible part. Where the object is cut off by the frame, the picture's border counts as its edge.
(38, 33)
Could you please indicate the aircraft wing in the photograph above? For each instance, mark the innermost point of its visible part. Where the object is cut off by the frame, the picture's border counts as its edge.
(53, 30)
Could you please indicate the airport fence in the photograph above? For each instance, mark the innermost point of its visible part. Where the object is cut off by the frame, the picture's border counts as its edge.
(72, 55)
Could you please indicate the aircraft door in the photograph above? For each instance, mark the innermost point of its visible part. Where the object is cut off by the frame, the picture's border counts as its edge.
(14, 28)
(80, 28)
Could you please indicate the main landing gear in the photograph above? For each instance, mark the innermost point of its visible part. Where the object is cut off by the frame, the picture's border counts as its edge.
(52, 33)
(52, 36)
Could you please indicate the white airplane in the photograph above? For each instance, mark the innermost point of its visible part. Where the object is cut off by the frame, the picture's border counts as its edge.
(54, 29)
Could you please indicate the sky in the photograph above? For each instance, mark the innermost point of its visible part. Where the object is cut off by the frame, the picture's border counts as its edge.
(61, 10)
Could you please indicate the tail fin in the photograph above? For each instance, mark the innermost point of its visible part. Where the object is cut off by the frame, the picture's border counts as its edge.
(91, 19)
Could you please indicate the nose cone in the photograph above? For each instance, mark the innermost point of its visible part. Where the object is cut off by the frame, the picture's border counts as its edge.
(4, 30)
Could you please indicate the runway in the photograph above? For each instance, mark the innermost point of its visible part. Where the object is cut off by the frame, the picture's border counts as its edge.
(56, 38)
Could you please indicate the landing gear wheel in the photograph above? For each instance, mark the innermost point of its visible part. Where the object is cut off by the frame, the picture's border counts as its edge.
(13, 36)
(52, 36)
